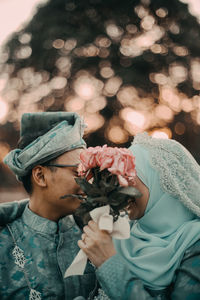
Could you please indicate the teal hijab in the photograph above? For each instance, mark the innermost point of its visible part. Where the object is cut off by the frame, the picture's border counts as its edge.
(170, 224)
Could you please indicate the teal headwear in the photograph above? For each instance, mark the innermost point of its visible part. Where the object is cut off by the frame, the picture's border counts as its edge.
(170, 224)
(64, 131)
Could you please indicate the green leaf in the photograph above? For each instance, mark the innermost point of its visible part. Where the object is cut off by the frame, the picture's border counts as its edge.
(102, 199)
(104, 190)
(88, 188)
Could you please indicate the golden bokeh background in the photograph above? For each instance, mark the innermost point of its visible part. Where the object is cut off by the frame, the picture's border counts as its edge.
(125, 67)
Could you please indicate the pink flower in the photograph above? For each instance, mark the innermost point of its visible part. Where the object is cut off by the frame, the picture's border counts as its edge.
(88, 157)
(122, 180)
(106, 157)
(118, 161)
(81, 170)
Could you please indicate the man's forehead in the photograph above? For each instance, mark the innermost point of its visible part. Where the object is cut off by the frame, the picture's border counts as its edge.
(70, 157)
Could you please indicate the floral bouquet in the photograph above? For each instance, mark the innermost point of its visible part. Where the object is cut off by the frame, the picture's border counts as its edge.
(107, 177)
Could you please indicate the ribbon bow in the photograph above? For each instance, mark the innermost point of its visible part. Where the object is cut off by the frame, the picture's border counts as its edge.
(119, 229)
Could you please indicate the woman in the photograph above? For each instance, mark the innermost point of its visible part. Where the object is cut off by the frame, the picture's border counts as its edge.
(161, 259)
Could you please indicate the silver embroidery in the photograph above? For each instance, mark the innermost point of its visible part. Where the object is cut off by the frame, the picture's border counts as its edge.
(19, 257)
(20, 260)
(34, 295)
(101, 295)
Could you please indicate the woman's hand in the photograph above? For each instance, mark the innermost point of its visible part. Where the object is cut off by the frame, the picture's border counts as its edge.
(97, 244)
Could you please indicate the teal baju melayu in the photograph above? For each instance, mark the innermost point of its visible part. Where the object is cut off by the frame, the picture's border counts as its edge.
(50, 248)
(47, 249)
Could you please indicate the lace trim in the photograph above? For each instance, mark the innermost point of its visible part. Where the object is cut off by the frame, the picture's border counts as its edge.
(179, 171)
(19, 257)
(20, 261)
(34, 295)
(101, 295)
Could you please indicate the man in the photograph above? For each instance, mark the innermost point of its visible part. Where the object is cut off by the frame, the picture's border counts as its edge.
(40, 243)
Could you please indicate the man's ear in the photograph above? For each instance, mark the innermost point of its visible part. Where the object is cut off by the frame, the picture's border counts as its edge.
(39, 176)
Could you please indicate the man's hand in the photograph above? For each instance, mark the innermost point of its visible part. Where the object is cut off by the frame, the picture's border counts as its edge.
(97, 244)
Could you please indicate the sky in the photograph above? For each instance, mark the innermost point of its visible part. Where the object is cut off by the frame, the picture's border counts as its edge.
(14, 13)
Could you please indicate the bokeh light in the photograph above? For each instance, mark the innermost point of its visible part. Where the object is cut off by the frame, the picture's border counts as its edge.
(117, 135)
(161, 133)
(4, 149)
(87, 86)
(3, 111)
(93, 122)
(179, 128)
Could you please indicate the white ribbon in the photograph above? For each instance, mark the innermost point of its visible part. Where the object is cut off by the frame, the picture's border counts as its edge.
(119, 229)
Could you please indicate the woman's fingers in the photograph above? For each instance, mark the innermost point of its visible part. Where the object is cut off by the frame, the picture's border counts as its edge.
(96, 243)
(83, 236)
(93, 225)
(86, 239)
(82, 245)
(86, 245)
(88, 231)
(91, 229)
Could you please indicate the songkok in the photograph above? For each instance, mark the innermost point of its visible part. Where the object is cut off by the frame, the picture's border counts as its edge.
(55, 132)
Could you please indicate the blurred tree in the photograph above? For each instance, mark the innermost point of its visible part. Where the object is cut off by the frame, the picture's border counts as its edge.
(126, 66)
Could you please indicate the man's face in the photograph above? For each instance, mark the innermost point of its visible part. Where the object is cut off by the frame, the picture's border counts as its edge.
(61, 182)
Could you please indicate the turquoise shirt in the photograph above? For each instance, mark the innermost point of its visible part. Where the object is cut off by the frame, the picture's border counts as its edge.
(49, 249)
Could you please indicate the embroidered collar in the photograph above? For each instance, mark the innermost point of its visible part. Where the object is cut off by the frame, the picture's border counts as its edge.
(44, 225)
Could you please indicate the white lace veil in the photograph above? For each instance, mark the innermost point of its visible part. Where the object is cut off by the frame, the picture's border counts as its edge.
(179, 172)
